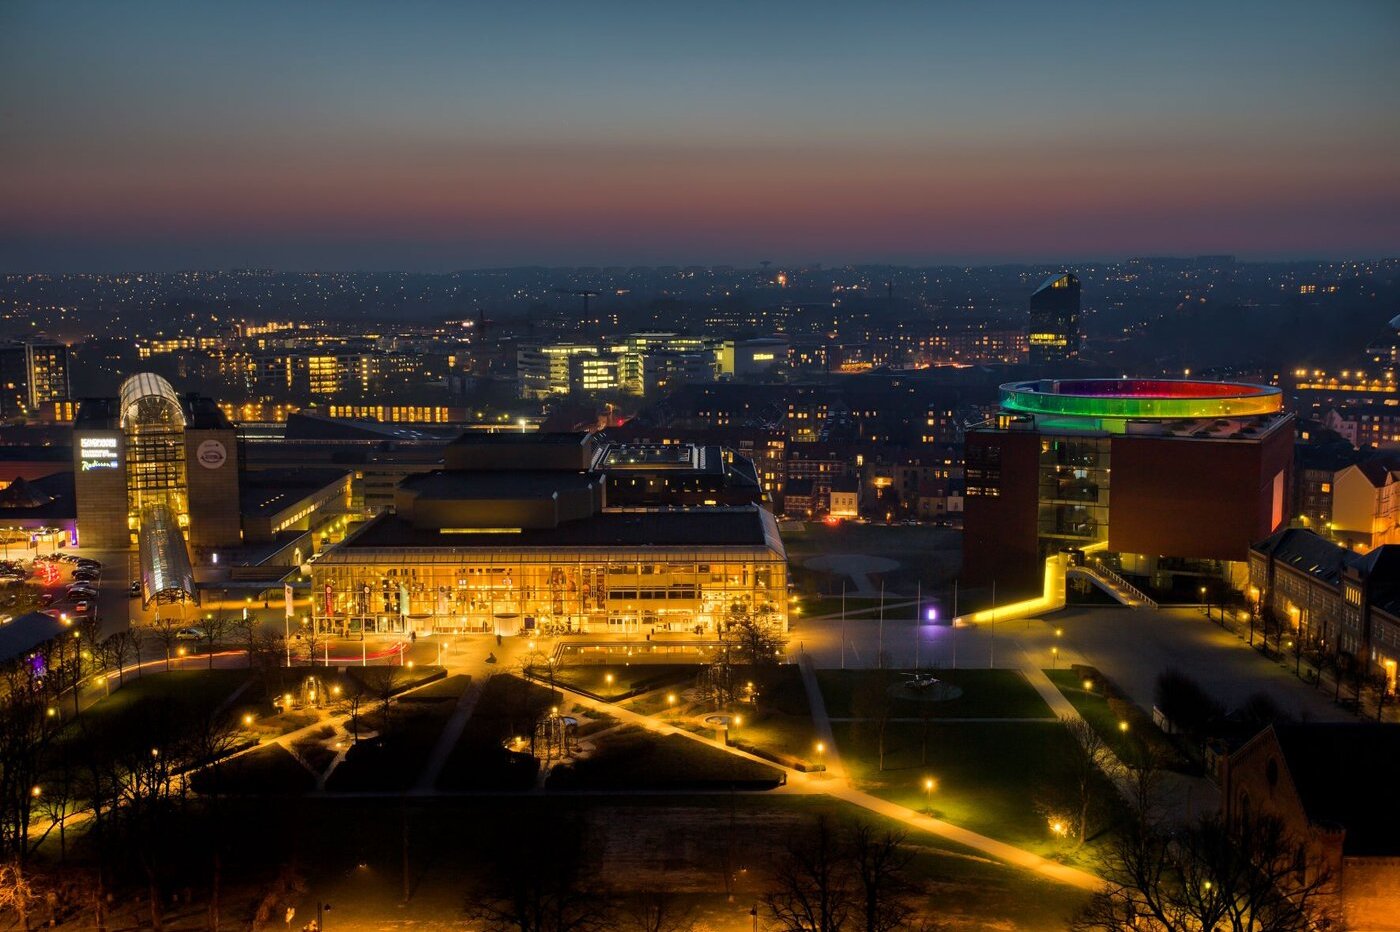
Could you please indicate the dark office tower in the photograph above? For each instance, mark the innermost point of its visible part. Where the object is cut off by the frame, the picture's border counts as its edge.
(1053, 335)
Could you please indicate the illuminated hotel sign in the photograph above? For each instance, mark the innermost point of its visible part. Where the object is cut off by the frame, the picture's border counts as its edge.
(762, 357)
(97, 453)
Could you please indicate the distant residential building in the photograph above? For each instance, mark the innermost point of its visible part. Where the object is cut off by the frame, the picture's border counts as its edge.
(1053, 333)
(1366, 503)
(1374, 425)
(32, 373)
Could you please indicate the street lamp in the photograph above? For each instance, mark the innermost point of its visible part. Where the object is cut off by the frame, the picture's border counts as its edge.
(930, 784)
(1054, 658)
(821, 753)
(1123, 726)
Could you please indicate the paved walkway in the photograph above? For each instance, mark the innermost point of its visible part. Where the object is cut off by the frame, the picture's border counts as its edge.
(836, 786)
(817, 706)
(451, 732)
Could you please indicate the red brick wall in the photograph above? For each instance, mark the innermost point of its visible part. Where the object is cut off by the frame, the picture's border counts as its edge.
(1207, 499)
(999, 533)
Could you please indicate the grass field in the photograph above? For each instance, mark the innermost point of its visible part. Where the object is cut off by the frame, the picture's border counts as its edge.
(634, 759)
(986, 694)
(992, 778)
(1107, 717)
(507, 707)
(396, 756)
(926, 555)
(714, 848)
(613, 681)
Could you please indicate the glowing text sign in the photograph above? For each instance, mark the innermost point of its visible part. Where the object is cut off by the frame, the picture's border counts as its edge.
(97, 453)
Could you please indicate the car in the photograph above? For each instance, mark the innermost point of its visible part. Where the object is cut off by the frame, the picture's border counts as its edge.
(82, 608)
(189, 634)
(81, 592)
(134, 589)
(86, 575)
(88, 561)
(46, 599)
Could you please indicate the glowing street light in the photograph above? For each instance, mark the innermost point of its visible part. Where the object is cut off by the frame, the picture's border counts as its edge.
(608, 678)
(247, 719)
(1054, 658)
(930, 784)
(1123, 726)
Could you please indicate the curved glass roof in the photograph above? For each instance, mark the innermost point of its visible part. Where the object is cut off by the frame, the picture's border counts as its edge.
(166, 574)
(146, 399)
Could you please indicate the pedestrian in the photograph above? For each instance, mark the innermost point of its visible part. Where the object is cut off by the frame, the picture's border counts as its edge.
(498, 639)
(413, 637)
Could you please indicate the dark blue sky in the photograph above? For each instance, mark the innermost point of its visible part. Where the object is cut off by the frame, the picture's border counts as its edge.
(444, 135)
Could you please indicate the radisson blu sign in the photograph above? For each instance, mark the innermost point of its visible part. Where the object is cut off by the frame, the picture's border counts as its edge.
(97, 453)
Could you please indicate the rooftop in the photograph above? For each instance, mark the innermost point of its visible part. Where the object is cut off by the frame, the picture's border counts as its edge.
(268, 491)
(748, 526)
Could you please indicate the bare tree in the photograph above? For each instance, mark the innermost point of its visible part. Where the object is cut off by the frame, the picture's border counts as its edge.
(883, 888)
(813, 888)
(753, 640)
(166, 629)
(656, 912)
(1088, 760)
(383, 682)
(872, 700)
(17, 893)
(246, 627)
(217, 626)
(1210, 876)
(536, 887)
(121, 647)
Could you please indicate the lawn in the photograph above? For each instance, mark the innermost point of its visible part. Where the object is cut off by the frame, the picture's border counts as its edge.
(1107, 716)
(992, 778)
(268, 771)
(507, 707)
(614, 681)
(193, 692)
(396, 756)
(634, 759)
(715, 847)
(986, 694)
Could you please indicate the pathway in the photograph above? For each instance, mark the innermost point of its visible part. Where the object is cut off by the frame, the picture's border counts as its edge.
(451, 732)
(817, 706)
(830, 784)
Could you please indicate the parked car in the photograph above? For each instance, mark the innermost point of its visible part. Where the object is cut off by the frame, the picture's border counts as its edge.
(82, 608)
(86, 575)
(46, 599)
(81, 592)
(189, 634)
(134, 589)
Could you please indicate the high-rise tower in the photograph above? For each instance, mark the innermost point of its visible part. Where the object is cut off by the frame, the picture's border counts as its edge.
(1053, 335)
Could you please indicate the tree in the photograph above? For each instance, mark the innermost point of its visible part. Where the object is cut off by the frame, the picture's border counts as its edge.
(656, 912)
(382, 682)
(246, 627)
(121, 647)
(1089, 755)
(536, 887)
(17, 893)
(752, 640)
(1184, 703)
(884, 891)
(217, 625)
(166, 627)
(1208, 876)
(813, 887)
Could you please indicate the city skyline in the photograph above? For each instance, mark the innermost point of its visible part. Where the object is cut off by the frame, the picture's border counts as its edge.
(435, 138)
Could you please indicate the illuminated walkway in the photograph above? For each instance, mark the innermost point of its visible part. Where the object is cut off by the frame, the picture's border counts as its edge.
(829, 784)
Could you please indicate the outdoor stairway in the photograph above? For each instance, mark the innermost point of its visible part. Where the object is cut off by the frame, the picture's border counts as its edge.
(1115, 585)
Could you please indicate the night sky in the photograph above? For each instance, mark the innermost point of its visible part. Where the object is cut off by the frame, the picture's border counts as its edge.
(435, 136)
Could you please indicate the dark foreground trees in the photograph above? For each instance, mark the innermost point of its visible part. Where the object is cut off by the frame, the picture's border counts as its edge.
(843, 877)
(1209, 876)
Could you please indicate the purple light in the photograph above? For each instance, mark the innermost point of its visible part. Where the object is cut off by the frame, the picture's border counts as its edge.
(932, 614)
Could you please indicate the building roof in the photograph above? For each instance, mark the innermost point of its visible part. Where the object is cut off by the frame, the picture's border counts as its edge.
(1308, 552)
(1344, 773)
(455, 485)
(508, 438)
(268, 491)
(25, 633)
(746, 526)
(1059, 276)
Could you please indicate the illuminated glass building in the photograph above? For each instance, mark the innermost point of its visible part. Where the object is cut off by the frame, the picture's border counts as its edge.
(1053, 334)
(516, 535)
(1162, 479)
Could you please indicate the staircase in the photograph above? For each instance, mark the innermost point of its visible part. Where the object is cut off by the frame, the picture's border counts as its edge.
(1103, 576)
